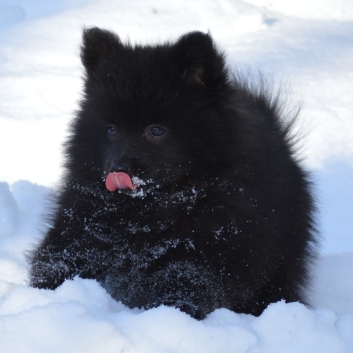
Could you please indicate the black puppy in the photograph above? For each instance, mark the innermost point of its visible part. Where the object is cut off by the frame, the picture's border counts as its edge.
(181, 185)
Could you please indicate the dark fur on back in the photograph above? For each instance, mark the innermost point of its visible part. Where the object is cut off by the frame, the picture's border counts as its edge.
(223, 214)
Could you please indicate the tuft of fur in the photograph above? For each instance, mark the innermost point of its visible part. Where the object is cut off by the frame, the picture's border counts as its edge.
(223, 214)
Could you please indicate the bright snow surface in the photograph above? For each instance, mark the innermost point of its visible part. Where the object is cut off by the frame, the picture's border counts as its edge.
(307, 46)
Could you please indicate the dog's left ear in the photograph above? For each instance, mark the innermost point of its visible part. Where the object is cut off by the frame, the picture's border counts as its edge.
(98, 45)
(200, 62)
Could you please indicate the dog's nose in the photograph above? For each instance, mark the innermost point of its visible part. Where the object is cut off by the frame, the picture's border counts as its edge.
(119, 167)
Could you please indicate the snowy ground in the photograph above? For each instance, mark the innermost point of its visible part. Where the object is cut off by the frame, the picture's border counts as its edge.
(307, 44)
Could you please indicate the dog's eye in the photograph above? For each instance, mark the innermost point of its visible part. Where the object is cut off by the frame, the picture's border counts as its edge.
(111, 131)
(157, 131)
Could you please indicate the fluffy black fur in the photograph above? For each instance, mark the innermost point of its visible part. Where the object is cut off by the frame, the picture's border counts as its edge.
(223, 216)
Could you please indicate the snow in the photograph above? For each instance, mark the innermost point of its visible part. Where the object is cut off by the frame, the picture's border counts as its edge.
(305, 45)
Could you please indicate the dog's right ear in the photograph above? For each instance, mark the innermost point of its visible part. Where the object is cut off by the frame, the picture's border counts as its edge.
(200, 61)
(98, 46)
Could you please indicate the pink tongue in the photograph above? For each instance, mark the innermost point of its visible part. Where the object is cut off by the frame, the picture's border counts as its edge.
(119, 180)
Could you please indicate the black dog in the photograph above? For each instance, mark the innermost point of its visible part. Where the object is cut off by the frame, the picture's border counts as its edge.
(181, 185)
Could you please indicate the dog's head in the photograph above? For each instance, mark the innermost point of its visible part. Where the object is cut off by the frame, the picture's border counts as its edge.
(150, 114)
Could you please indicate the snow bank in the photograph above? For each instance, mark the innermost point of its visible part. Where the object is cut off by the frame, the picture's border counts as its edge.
(21, 209)
(339, 10)
(8, 211)
(81, 317)
(333, 284)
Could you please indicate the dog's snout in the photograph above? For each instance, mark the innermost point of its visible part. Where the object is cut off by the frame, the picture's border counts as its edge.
(119, 167)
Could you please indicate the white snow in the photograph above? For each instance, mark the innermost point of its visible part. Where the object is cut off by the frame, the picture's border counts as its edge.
(308, 45)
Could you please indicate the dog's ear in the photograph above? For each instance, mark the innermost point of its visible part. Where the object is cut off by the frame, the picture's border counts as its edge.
(98, 46)
(199, 60)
